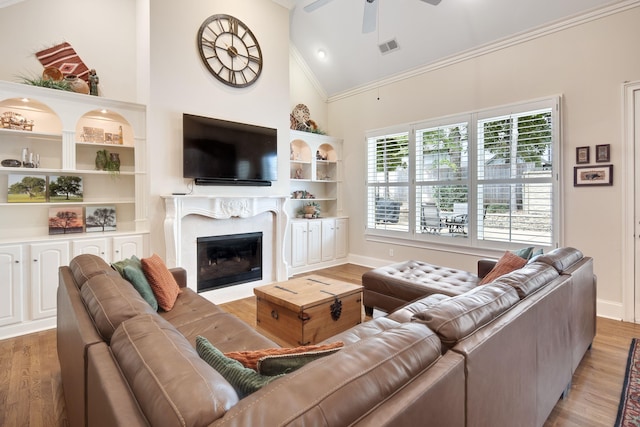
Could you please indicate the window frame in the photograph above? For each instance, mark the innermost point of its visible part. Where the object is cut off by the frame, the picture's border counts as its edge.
(412, 237)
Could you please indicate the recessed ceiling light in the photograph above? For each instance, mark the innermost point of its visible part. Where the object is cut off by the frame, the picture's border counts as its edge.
(322, 54)
(25, 99)
(103, 111)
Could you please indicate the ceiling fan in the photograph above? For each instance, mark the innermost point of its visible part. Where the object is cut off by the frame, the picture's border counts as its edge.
(370, 11)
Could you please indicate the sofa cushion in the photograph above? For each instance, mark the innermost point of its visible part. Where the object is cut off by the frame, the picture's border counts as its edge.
(561, 258)
(85, 267)
(455, 318)
(508, 263)
(404, 314)
(277, 364)
(110, 300)
(164, 285)
(244, 380)
(249, 359)
(172, 385)
(136, 277)
(529, 278)
(525, 253)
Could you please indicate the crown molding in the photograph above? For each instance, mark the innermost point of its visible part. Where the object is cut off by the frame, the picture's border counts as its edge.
(5, 3)
(295, 54)
(505, 43)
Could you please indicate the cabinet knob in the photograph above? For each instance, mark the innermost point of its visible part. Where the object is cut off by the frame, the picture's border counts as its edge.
(117, 251)
(35, 260)
(17, 262)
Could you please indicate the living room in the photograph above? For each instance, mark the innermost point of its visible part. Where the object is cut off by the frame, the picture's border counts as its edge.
(145, 52)
(151, 59)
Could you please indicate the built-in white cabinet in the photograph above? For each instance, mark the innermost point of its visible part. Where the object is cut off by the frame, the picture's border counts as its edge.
(11, 284)
(111, 249)
(45, 259)
(47, 134)
(320, 240)
(316, 243)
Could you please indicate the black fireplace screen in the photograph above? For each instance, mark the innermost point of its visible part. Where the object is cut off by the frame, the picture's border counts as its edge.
(229, 260)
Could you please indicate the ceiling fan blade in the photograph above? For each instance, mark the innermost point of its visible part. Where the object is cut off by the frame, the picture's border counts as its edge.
(433, 2)
(315, 5)
(370, 17)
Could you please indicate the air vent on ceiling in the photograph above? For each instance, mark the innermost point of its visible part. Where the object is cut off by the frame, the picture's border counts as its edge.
(388, 46)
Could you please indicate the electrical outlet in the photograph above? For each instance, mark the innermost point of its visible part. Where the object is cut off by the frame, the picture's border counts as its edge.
(391, 252)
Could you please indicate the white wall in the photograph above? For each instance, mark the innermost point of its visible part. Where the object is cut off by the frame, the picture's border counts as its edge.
(103, 34)
(179, 83)
(586, 64)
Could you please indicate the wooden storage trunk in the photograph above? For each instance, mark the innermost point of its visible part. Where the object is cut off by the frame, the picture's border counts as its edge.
(309, 309)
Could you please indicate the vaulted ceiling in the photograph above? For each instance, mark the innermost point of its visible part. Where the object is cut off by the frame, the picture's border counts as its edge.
(425, 34)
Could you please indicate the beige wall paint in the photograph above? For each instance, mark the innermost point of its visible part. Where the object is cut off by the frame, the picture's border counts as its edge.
(586, 64)
(102, 33)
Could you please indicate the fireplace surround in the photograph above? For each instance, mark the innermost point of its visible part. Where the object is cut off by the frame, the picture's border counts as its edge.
(192, 216)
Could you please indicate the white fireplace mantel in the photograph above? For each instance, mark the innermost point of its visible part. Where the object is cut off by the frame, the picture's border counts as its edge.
(178, 207)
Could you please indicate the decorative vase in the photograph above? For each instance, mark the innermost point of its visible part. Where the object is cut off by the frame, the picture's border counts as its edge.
(101, 160)
(114, 162)
(76, 84)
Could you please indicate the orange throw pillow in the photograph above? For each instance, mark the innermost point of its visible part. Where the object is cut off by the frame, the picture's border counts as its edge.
(249, 359)
(508, 263)
(164, 286)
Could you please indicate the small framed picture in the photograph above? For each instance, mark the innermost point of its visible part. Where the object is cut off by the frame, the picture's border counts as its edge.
(65, 189)
(592, 175)
(582, 155)
(66, 220)
(26, 188)
(100, 218)
(603, 153)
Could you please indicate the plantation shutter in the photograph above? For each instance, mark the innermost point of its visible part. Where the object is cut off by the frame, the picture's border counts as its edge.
(388, 182)
(515, 179)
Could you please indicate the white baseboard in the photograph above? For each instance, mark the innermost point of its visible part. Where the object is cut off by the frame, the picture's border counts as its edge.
(610, 309)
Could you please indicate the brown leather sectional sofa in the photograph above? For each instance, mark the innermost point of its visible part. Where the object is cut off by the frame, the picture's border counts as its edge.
(498, 355)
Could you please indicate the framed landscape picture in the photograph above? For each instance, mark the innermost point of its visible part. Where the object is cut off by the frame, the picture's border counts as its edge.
(26, 189)
(66, 220)
(65, 189)
(100, 218)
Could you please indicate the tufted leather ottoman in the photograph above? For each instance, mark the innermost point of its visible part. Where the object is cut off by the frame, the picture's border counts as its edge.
(390, 287)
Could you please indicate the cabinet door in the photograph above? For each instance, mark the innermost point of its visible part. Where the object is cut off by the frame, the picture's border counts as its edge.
(298, 243)
(342, 237)
(328, 239)
(314, 236)
(96, 247)
(127, 246)
(11, 284)
(46, 259)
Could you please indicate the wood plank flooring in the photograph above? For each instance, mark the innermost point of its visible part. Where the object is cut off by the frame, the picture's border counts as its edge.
(31, 391)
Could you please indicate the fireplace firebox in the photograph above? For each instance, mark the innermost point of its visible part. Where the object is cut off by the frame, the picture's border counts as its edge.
(228, 260)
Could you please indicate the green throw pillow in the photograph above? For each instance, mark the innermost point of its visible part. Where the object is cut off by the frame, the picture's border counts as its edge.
(120, 265)
(244, 380)
(524, 252)
(136, 277)
(286, 363)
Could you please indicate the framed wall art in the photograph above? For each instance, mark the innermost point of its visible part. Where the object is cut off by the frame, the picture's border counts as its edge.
(592, 175)
(66, 220)
(65, 189)
(603, 153)
(582, 155)
(26, 189)
(100, 218)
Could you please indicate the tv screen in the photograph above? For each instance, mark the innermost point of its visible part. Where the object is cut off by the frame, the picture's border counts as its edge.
(219, 152)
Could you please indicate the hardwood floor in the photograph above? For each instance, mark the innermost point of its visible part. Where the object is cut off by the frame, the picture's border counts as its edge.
(31, 391)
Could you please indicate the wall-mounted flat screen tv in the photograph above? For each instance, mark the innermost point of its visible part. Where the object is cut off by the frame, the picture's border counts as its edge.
(221, 152)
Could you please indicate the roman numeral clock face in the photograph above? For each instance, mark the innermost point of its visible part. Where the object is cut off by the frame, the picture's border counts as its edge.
(229, 50)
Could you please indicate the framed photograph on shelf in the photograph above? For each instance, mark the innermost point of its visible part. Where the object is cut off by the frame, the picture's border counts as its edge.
(100, 218)
(91, 134)
(66, 220)
(26, 188)
(65, 189)
(603, 153)
(592, 175)
(582, 155)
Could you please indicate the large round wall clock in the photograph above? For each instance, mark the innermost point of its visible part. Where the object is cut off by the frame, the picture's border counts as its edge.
(229, 50)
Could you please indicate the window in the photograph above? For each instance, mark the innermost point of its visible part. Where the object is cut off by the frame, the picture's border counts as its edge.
(483, 179)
